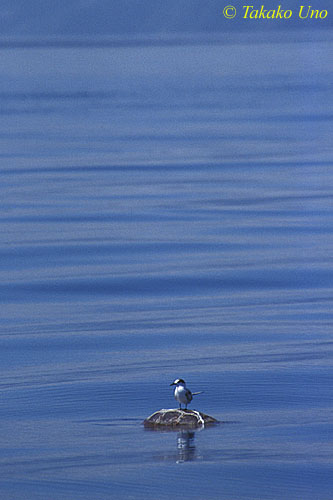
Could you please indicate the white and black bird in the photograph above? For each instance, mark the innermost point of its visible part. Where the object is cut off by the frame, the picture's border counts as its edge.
(182, 394)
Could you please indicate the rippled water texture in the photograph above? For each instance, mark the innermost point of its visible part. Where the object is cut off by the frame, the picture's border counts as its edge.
(166, 212)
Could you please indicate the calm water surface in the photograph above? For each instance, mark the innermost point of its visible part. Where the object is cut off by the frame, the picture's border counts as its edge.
(165, 212)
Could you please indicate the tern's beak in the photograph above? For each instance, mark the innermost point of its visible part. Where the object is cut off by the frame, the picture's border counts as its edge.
(173, 383)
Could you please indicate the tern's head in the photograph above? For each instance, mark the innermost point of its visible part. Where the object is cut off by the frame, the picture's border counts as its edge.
(178, 381)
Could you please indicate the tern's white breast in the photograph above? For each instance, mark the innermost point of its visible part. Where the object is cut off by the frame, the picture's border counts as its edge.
(181, 394)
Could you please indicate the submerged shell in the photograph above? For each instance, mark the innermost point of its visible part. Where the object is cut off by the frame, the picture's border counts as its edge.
(178, 418)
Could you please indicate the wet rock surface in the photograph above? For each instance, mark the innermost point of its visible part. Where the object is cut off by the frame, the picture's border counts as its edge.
(178, 418)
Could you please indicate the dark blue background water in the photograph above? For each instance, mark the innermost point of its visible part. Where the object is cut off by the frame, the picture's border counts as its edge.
(166, 211)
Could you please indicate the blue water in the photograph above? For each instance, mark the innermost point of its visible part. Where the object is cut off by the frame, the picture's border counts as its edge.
(166, 211)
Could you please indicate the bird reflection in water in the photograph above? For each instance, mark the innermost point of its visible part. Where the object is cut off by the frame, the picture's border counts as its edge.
(186, 449)
(186, 446)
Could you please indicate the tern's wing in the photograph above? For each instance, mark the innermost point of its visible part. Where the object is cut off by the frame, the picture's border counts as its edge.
(188, 395)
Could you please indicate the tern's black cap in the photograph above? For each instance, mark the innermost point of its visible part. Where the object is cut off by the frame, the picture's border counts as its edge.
(178, 381)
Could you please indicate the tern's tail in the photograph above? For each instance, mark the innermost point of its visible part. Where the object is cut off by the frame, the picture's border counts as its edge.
(196, 393)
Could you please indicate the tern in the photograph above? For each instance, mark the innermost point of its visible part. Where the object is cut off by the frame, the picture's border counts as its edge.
(182, 394)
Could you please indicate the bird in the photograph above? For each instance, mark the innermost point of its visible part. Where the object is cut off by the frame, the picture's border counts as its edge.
(182, 394)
